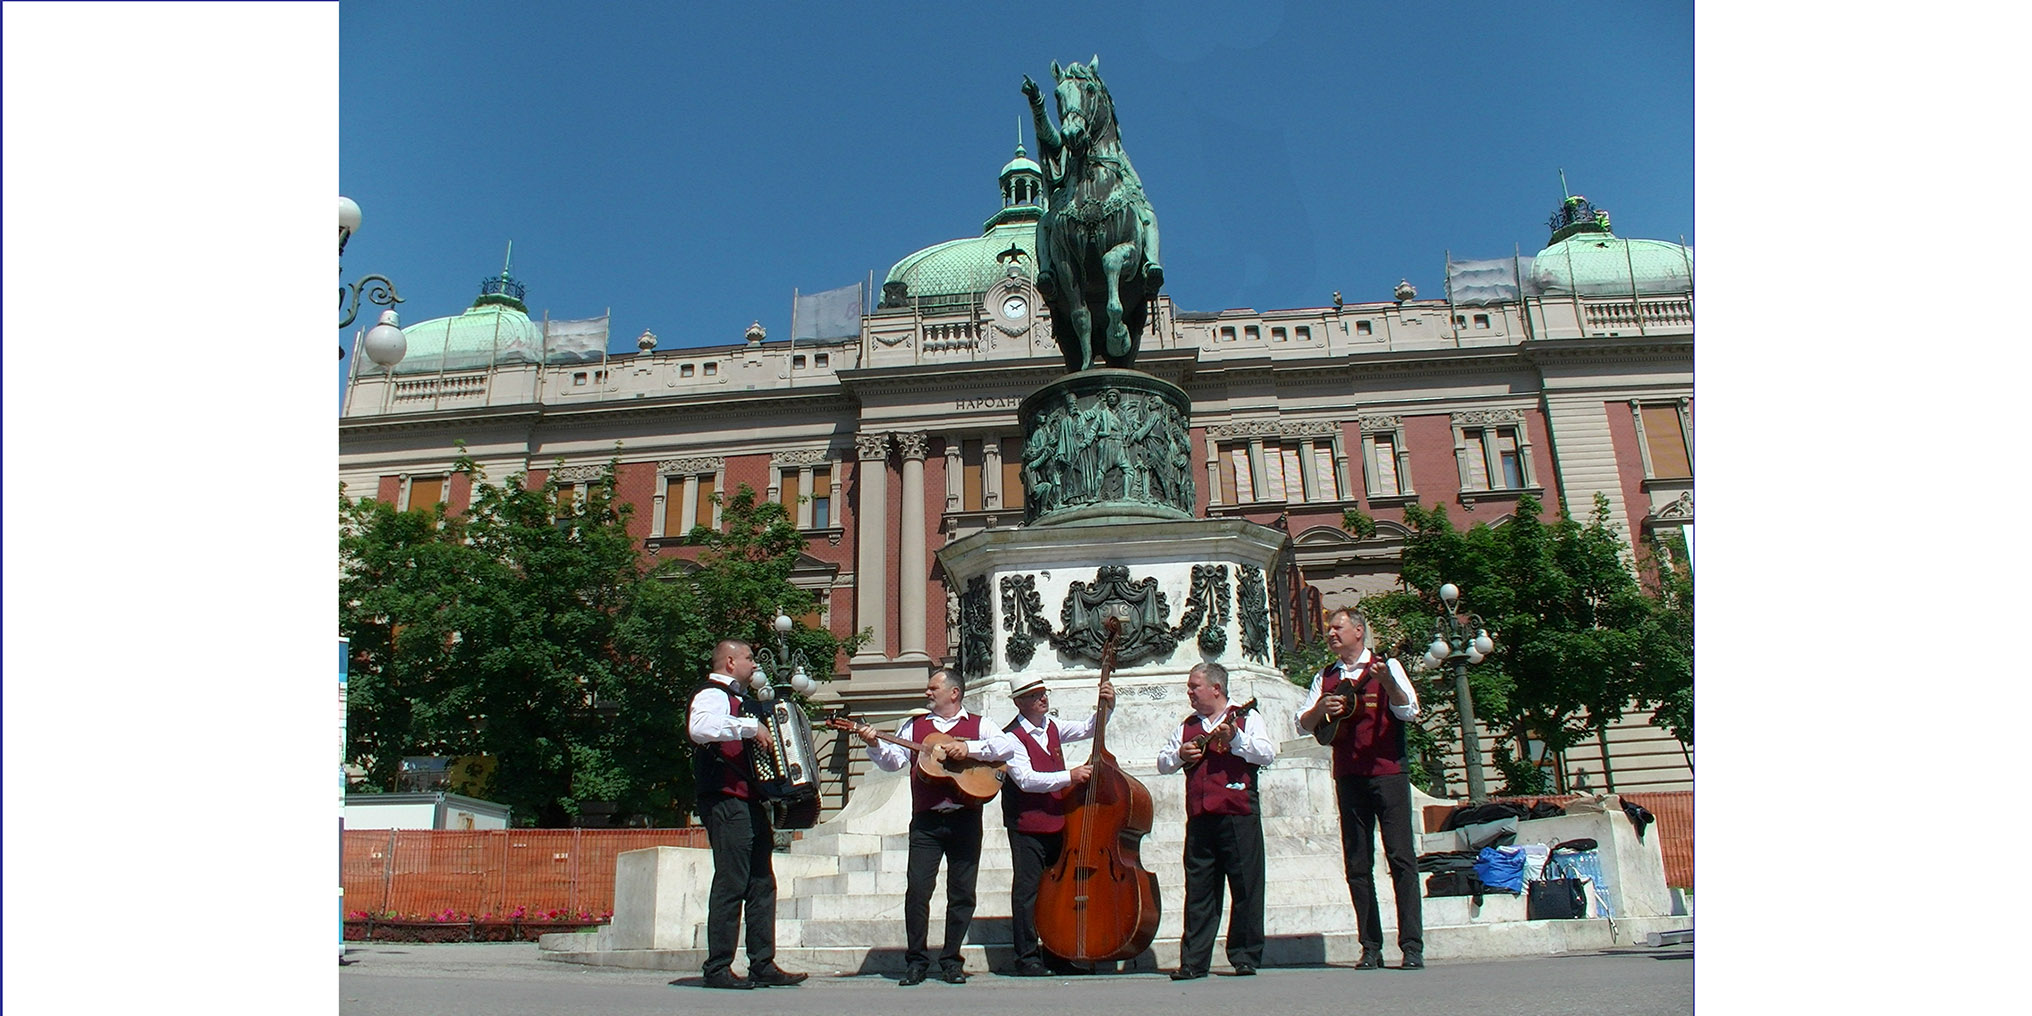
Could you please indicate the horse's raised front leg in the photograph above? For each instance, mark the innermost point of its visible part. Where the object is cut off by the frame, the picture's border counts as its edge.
(1111, 268)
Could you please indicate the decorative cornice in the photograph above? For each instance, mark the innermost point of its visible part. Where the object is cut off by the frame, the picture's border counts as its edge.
(871, 447)
(1680, 509)
(1372, 424)
(576, 474)
(1274, 428)
(691, 466)
(1481, 417)
(802, 457)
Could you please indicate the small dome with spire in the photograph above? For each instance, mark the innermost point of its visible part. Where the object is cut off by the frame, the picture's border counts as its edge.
(954, 272)
(496, 329)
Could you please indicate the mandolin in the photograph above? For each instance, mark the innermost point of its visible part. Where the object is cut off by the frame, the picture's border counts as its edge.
(1348, 689)
(978, 781)
(1208, 742)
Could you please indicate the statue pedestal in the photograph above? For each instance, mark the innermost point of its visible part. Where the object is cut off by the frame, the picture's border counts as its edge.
(1187, 591)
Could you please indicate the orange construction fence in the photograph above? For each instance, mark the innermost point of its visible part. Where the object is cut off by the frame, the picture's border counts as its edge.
(491, 871)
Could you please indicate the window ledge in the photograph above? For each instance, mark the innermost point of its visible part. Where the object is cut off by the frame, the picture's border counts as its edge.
(832, 534)
(1393, 500)
(1470, 497)
(1652, 483)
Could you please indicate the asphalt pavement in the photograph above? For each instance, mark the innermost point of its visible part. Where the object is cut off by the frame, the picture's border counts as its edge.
(512, 979)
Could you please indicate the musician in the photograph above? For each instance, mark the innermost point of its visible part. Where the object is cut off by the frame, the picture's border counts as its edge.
(1033, 806)
(943, 824)
(737, 824)
(1223, 825)
(1370, 782)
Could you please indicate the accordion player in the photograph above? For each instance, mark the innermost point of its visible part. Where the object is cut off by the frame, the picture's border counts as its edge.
(787, 774)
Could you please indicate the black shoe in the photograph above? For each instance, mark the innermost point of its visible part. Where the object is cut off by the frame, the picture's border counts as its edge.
(1369, 961)
(914, 975)
(775, 977)
(1182, 974)
(1413, 962)
(727, 979)
(1244, 970)
(953, 975)
(1031, 969)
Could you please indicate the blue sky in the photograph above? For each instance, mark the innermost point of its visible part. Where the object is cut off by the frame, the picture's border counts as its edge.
(689, 165)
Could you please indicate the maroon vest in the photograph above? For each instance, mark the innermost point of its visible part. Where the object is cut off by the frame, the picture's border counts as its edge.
(1371, 738)
(1223, 783)
(1022, 810)
(722, 766)
(924, 794)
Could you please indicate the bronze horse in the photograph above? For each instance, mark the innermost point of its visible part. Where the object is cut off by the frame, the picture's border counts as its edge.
(1097, 260)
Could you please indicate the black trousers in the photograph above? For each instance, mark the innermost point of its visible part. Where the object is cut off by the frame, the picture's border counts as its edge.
(743, 879)
(1223, 848)
(955, 837)
(1367, 802)
(1030, 854)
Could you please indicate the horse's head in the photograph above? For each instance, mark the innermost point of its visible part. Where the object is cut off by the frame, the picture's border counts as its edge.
(1086, 113)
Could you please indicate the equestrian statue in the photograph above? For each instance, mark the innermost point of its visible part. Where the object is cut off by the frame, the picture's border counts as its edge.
(1097, 263)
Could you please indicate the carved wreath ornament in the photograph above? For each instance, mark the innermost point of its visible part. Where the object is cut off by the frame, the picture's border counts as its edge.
(1137, 603)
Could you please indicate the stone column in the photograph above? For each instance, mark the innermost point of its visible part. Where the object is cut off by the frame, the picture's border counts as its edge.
(991, 472)
(871, 568)
(910, 556)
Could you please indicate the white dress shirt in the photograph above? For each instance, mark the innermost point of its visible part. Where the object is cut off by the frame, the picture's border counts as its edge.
(1251, 742)
(1020, 771)
(1407, 711)
(712, 721)
(996, 747)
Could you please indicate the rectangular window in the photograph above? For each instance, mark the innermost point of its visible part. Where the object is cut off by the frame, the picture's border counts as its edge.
(566, 492)
(1460, 320)
(1227, 333)
(712, 369)
(1383, 465)
(1277, 335)
(788, 487)
(1663, 437)
(1324, 475)
(1252, 333)
(1304, 333)
(703, 504)
(970, 475)
(685, 370)
(1245, 478)
(1508, 465)
(1271, 484)
(1481, 321)
(1362, 328)
(425, 491)
(1226, 465)
(1476, 459)
(822, 497)
(821, 359)
(1012, 472)
(797, 362)
(673, 506)
(579, 378)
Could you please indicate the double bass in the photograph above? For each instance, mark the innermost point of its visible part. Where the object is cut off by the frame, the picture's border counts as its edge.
(1098, 903)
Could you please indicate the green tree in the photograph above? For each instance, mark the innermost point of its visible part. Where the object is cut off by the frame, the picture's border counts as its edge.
(525, 631)
(1578, 639)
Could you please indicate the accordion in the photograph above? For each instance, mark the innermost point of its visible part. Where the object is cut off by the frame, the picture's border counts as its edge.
(786, 774)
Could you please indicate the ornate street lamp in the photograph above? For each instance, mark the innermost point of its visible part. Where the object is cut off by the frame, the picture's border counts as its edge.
(782, 659)
(1458, 641)
(385, 344)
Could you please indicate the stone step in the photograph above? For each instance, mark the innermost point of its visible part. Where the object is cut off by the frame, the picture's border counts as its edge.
(1443, 943)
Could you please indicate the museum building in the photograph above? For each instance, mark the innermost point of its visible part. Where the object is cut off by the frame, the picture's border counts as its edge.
(1563, 375)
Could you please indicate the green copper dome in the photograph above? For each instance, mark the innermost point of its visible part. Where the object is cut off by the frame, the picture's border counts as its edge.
(496, 329)
(1604, 264)
(953, 273)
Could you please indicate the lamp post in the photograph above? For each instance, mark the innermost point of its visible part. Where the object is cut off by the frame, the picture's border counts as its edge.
(1459, 641)
(782, 659)
(385, 344)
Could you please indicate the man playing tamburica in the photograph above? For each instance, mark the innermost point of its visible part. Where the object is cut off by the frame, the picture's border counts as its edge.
(944, 824)
(1371, 699)
(1220, 750)
(737, 825)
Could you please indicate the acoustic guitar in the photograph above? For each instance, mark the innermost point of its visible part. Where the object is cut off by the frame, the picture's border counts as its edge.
(1348, 689)
(977, 781)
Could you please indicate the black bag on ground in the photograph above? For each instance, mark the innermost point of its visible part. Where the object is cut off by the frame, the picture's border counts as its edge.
(1555, 899)
(1456, 883)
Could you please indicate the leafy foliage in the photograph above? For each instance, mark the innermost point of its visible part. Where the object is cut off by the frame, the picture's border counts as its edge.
(1578, 639)
(525, 630)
